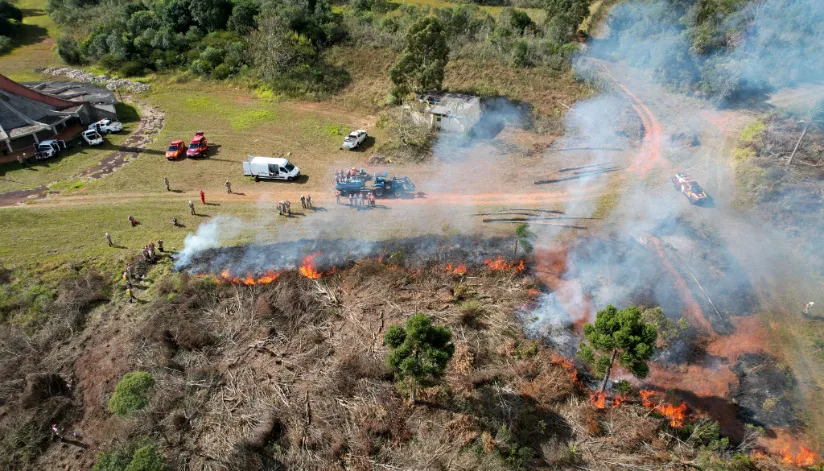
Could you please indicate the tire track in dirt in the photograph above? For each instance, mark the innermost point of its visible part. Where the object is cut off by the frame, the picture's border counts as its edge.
(650, 152)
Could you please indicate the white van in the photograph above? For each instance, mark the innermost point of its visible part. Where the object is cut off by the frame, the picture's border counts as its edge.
(270, 168)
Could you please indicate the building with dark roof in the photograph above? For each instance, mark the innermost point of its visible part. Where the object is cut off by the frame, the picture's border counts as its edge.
(32, 112)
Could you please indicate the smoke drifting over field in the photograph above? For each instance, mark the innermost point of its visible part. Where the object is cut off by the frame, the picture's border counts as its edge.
(726, 54)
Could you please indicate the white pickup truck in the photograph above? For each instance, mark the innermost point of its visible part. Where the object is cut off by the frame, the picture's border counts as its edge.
(105, 126)
(91, 137)
(49, 149)
(354, 139)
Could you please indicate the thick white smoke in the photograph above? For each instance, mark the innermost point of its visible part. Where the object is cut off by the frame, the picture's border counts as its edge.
(209, 235)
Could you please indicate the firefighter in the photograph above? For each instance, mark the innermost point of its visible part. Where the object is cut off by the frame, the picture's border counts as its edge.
(109, 239)
(228, 187)
(175, 223)
(151, 248)
(160, 245)
(280, 208)
(132, 221)
(56, 432)
(130, 295)
(807, 308)
(125, 276)
(303, 201)
(130, 271)
(166, 182)
(337, 196)
(22, 161)
(202, 197)
(351, 200)
(309, 201)
(191, 207)
(371, 199)
(288, 207)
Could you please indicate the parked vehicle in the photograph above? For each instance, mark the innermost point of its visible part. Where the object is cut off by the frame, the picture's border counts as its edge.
(354, 139)
(270, 168)
(382, 185)
(91, 137)
(198, 147)
(176, 150)
(689, 187)
(106, 126)
(49, 149)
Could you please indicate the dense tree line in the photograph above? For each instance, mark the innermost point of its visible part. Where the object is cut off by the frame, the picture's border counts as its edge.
(10, 18)
(282, 41)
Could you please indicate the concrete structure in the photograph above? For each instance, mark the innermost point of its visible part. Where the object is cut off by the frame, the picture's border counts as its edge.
(452, 112)
(33, 112)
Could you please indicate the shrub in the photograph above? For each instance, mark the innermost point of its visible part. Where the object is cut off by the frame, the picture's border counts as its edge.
(68, 50)
(132, 68)
(111, 461)
(6, 44)
(146, 459)
(131, 393)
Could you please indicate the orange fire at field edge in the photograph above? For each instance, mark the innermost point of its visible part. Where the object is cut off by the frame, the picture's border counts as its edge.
(456, 269)
(226, 278)
(308, 267)
(500, 264)
(803, 457)
(675, 414)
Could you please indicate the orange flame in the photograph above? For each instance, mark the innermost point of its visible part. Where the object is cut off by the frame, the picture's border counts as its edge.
(225, 278)
(675, 414)
(458, 270)
(618, 400)
(599, 400)
(804, 457)
(308, 268)
(566, 364)
(499, 264)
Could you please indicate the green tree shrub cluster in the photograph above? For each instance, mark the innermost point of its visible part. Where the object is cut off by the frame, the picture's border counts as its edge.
(10, 18)
(132, 393)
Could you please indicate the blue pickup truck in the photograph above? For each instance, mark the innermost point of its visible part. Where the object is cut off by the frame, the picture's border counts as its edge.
(382, 185)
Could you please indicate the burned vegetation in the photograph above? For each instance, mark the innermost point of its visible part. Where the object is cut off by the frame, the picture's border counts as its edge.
(290, 373)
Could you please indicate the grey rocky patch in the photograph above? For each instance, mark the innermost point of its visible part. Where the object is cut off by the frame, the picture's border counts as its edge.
(110, 83)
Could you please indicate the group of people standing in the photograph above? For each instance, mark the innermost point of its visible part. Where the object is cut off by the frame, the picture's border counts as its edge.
(358, 200)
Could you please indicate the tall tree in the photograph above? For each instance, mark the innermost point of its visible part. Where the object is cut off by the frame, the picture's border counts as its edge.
(618, 334)
(421, 66)
(419, 353)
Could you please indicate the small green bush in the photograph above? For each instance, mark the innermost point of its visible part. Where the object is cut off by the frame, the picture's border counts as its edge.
(146, 459)
(68, 50)
(6, 44)
(111, 461)
(131, 393)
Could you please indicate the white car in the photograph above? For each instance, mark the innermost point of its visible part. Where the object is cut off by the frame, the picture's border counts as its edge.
(49, 149)
(92, 137)
(354, 139)
(105, 126)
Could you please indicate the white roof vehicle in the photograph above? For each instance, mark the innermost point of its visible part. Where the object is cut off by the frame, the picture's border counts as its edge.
(107, 126)
(355, 139)
(92, 137)
(270, 168)
(50, 148)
